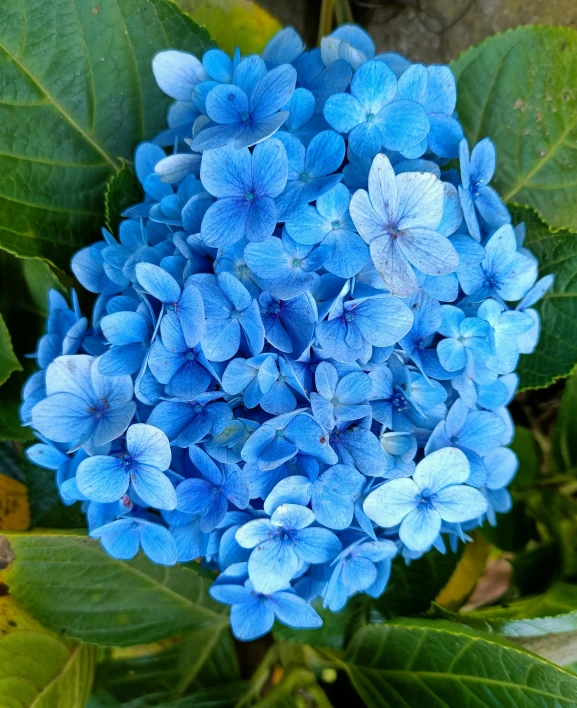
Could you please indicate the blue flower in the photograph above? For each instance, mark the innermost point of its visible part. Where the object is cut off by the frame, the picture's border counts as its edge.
(261, 383)
(186, 423)
(434, 494)
(105, 478)
(332, 495)
(310, 170)
(504, 273)
(435, 89)
(330, 224)
(466, 339)
(289, 267)
(122, 539)
(280, 439)
(398, 218)
(371, 115)
(282, 544)
(253, 613)
(245, 117)
(82, 406)
(474, 432)
(181, 306)
(501, 465)
(339, 398)
(65, 329)
(289, 325)
(475, 193)
(209, 495)
(359, 448)
(301, 121)
(283, 48)
(322, 81)
(364, 566)
(504, 328)
(129, 335)
(357, 325)
(184, 370)
(246, 186)
(348, 43)
(229, 310)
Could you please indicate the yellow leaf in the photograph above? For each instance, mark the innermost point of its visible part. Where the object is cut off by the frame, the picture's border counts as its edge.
(465, 576)
(233, 23)
(14, 510)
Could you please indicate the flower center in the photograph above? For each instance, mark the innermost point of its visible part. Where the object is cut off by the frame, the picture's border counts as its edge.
(235, 314)
(172, 308)
(191, 356)
(336, 224)
(249, 196)
(197, 408)
(305, 177)
(275, 308)
(99, 409)
(297, 263)
(400, 402)
(334, 401)
(425, 501)
(370, 117)
(349, 317)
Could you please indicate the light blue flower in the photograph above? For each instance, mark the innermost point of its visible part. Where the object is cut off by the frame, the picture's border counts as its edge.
(209, 495)
(282, 544)
(466, 339)
(289, 267)
(349, 43)
(475, 193)
(82, 406)
(122, 539)
(504, 274)
(504, 328)
(359, 448)
(229, 310)
(186, 423)
(398, 218)
(434, 494)
(242, 118)
(329, 223)
(290, 324)
(364, 566)
(339, 398)
(141, 468)
(246, 186)
(129, 335)
(253, 613)
(283, 48)
(310, 170)
(501, 465)
(371, 115)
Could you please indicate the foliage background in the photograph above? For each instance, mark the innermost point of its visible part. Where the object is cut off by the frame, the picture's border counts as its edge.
(494, 624)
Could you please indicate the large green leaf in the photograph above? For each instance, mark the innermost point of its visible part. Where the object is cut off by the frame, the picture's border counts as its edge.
(39, 668)
(439, 664)
(556, 354)
(76, 94)
(553, 611)
(520, 89)
(69, 584)
(8, 361)
(201, 660)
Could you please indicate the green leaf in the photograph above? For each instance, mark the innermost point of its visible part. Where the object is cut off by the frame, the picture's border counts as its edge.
(556, 354)
(536, 568)
(40, 278)
(122, 191)
(551, 612)
(564, 443)
(8, 361)
(39, 668)
(413, 587)
(69, 584)
(10, 428)
(201, 660)
(439, 664)
(233, 23)
(77, 94)
(520, 90)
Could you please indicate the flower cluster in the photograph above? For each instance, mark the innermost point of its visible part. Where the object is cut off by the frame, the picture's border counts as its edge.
(305, 336)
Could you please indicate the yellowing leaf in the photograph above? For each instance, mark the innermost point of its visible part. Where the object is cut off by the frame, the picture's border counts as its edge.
(465, 576)
(38, 667)
(14, 511)
(233, 23)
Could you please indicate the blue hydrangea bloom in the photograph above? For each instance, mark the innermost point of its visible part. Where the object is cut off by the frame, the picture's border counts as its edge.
(304, 337)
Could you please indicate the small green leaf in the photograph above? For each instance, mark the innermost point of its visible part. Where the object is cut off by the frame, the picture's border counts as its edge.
(440, 664)
(10, 428)
(413, 587)
(556, 354)
(122, 191)
(77, 94)
(39, 668)
(69, 584)
(520, 90)
(201, 660)
(40, 278)
(564, 443)
(551, 612)
(8, 361)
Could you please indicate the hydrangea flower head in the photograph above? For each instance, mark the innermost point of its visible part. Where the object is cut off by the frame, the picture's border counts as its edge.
(304, 338)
